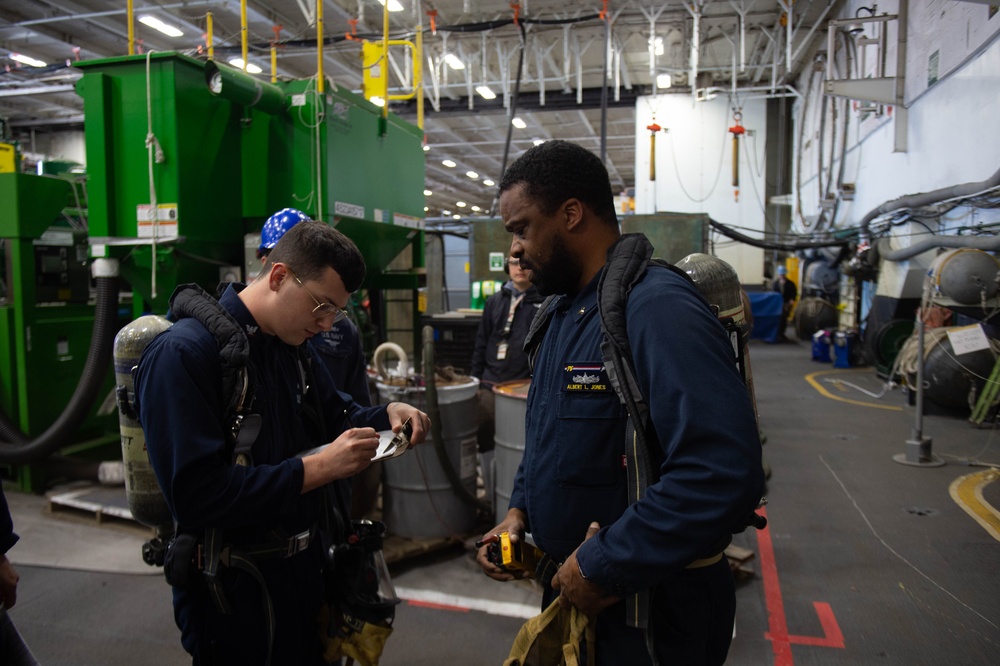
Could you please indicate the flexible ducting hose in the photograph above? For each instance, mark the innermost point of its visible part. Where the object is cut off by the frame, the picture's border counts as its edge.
(986, 243)
(928, 198)
(15, 447)
(427, 336)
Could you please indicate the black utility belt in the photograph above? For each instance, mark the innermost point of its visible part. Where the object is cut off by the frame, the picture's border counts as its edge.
(186, 554)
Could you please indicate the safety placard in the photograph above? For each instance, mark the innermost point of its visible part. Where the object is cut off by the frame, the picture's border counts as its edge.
(966, 339)
(162, 219)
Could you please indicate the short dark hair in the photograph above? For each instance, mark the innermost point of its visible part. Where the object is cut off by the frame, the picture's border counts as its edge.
(555, 171)
(310, 247)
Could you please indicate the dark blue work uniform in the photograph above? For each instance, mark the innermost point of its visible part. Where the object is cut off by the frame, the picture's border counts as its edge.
(573, 469)
(179, 397)
(341, 352)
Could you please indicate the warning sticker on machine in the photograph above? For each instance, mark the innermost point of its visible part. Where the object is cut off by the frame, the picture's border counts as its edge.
(401, 220)
(349, 209)
(162, 219)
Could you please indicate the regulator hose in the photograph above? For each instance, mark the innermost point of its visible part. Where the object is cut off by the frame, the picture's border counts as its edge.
(434, 412)
(15, 447)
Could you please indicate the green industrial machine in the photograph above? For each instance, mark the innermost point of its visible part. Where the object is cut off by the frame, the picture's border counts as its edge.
(46, 317)
(228, 151)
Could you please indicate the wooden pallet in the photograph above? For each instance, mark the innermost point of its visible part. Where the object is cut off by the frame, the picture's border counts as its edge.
(103, 504)
(739, 559)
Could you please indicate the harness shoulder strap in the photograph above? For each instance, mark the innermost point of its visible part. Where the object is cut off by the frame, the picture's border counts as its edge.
(539, 324)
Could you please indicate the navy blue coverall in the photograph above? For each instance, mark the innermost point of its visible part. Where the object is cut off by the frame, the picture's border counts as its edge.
(710, 476)
(179, 397)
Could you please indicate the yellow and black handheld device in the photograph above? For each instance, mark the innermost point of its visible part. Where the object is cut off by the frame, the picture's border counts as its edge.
(517, 556)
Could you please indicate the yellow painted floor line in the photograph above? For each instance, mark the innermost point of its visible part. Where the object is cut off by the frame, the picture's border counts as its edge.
(811, 378)
(967, 491)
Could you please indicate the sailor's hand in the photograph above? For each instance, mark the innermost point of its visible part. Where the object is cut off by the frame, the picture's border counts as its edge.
(575, 590)
(342, 458)
(400, 412)
(515, 523)
(8, 583)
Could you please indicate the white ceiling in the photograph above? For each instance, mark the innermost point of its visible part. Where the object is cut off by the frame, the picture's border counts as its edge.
(560, 86)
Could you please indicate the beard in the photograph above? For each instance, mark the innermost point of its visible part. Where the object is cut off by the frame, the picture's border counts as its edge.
(558, 273)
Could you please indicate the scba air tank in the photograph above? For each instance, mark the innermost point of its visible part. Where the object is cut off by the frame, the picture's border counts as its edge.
(145, 499)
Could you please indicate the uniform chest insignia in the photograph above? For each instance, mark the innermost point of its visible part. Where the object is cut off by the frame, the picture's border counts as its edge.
(585, 377)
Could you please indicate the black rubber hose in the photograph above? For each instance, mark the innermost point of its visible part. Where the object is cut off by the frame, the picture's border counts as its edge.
(434, 412)
(16, 448)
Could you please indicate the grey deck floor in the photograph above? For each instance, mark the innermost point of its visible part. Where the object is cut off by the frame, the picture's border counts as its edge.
(865, 560)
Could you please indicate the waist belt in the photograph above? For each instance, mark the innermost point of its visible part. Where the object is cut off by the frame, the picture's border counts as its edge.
(280, 546)
(705, 562)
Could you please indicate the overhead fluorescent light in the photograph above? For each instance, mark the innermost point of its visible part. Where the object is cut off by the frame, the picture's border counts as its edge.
(456, 216)
(427, 193)
(394, 5)
(488, 183)
(663, 81)
(427, 147)
(157, 24)
(449, 164)
(461, 204)
(476, 208)
(486, 92)
(472, 174)
(426, 208)
(454, 62)
(518, 123)
(446, 213)
(658, 46)
(26, 60)
(250, 68)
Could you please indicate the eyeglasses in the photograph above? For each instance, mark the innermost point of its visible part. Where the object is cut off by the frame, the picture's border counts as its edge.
(322, 310)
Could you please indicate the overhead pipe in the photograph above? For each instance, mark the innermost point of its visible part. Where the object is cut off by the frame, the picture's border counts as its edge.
(243, 32)
(320, 84)
(130, 19)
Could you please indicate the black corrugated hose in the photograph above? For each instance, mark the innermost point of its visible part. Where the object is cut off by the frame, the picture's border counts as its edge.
(16, 448)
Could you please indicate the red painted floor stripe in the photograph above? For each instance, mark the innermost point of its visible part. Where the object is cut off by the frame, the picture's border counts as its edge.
(776, 623)
(832, 636)
(431, 604)
(781, 641)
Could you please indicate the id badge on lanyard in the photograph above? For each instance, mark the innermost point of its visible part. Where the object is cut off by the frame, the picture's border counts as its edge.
(502, 346)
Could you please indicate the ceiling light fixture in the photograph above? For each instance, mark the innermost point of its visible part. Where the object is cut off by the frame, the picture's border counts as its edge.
(476, 208)
(426, 147)
(663, 81)
(26, 60)
(472, 174)
(157, 24)
(454, 62)
(394, 5)
(518, 123)
(449, 164)
(250, 68)
(485, 92)
(446, 213)
(427, 193)
(537, 141)
(658, 46)
(461, 204)
(488, 183)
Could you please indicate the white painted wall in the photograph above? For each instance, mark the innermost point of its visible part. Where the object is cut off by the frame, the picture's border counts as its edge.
(953, 132)
(694, 158)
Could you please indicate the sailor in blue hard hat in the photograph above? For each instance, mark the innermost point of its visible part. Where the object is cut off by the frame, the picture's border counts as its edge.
(276, 226)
